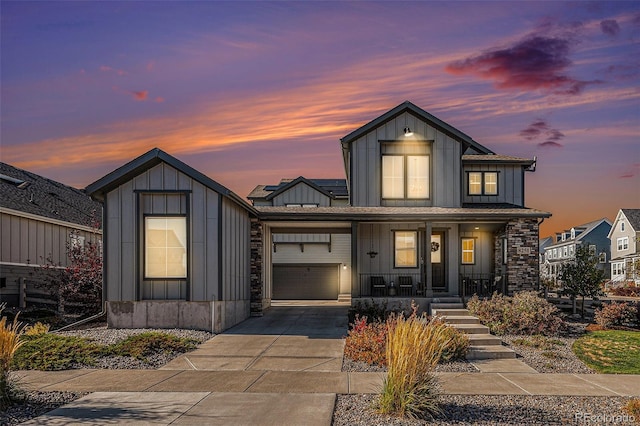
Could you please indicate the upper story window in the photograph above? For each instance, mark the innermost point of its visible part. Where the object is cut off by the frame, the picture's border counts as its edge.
(573, 233)
(482, 183)
(623, 243)
(622, 226)
(405, 176)
(565, 251)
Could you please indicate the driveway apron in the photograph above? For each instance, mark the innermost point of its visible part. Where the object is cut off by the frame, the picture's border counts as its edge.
(286, 338)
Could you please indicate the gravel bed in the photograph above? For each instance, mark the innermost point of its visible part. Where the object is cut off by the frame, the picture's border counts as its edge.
(490, 410)
(35, 404)
(462, 366)
(554, 355)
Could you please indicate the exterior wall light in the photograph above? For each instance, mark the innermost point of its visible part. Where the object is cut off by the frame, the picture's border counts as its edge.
(407, 132)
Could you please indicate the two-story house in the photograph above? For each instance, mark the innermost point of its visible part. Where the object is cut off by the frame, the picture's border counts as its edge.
(425, 211)
(430, 212)
(593, 234)
(625, 249)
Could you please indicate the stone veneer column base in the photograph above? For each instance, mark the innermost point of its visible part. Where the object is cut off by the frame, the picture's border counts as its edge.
(522, 255)
(257, 244)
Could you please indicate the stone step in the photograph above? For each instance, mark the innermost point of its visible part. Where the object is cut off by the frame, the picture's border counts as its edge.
(472, 328)
(490, 352)
(446, 299)
(454, 312)
(484, 340)
(460, 319)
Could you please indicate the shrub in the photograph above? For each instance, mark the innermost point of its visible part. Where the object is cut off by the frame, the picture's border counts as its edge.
(366, 341)
(10, 341)
(414, 347)
(54, 352)
(37, 328)
(633, 409)
(524, 313)
(627, 291)
(615, 315)
(457, 343)
(145, 344)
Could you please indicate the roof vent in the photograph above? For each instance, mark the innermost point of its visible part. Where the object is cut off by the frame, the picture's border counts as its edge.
(15, 182)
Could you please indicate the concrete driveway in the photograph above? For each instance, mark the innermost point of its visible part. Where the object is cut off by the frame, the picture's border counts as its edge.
(305, 337)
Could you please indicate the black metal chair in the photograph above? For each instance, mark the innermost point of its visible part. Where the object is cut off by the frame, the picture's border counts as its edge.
(378, 286)
(406, 285)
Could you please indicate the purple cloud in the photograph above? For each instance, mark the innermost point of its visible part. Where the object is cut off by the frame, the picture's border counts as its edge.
(534, 63)
(610, 27)
(540, 128)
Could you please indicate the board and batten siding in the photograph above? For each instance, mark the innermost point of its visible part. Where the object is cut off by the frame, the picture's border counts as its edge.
(236, 268)
(484, 252)
(366, 164)
(301, 194)
(124, 210)
(510, 184)
(27, 240)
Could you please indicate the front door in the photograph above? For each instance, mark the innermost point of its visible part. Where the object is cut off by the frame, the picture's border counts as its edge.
(438, 265)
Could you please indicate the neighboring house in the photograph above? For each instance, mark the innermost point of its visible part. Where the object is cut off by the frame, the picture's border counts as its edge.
(176, 246)
(430, 213)
(625, 247)
(39, 218)
(593, 234)
(544, 265)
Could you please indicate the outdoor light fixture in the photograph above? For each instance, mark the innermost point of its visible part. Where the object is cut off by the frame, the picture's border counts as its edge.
(407, 132)
(344, 266)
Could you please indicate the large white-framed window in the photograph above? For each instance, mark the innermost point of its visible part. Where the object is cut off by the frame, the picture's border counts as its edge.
(623, 243)
(468, 251)
(165, 247)
(405, 177)
(405, 249)
(482, 183)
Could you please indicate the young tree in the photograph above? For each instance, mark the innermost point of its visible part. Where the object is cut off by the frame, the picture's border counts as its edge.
(81, 280)
(582, 277)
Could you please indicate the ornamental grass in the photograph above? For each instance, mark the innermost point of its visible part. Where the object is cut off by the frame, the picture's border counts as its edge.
(414, 347)
(10, 333)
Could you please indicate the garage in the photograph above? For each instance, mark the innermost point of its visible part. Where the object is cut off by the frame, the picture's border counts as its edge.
(315, 282)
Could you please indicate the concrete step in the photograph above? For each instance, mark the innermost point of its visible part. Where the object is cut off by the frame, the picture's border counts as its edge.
(484, 340)
(446, 299)
(490, 352)
(472, 328)
(454, 312)
(460, 319)
(436, 306)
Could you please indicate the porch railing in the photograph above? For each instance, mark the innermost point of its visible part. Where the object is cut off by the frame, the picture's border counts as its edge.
(391, 285)
(484, 285)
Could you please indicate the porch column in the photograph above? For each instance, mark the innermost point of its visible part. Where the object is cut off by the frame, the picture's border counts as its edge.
(355, 279)
(427, 260)
(256, 307)
(522, 255)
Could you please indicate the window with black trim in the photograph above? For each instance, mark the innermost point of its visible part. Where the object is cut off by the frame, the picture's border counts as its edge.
(405, 177)
(468, 251)
(482, 183)
(406, 249)
(165, 247)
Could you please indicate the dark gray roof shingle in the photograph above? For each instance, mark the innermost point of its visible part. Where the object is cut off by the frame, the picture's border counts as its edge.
(47, 198)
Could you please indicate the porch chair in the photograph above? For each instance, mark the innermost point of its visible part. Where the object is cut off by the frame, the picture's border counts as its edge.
(406, 285)
(378, 286)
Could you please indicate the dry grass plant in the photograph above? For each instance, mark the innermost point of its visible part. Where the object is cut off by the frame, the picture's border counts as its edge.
(414, 347)
(10, 333)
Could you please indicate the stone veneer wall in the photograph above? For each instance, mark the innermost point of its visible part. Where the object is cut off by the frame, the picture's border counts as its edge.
(256, 268)
(522, 255)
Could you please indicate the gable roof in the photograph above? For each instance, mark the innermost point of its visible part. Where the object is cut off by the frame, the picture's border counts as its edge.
(30, 193)
(407, 106)
(333, 188)
(495, 158)
(150, 159)
(633, 216)
(585, 230)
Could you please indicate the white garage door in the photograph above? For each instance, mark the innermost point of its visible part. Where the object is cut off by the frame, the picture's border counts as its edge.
(310, 282)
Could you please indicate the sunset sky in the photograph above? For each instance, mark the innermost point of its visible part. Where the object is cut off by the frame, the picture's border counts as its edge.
(251, 92)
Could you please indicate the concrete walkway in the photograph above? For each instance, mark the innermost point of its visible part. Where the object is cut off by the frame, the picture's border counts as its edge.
(284, 369)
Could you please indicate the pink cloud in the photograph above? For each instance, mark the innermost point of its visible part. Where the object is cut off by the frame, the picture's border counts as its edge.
(140, 95)
(535, 63)
(631, 172)
(159, 99)
(105, 68)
